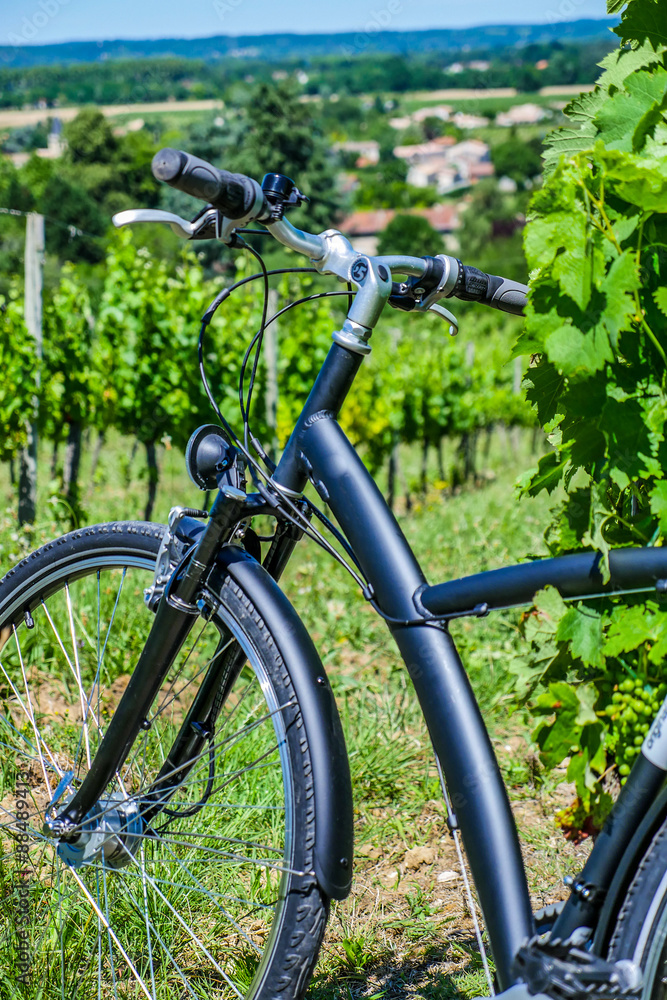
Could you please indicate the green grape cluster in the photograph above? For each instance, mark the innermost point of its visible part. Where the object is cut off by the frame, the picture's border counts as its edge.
(634, 705)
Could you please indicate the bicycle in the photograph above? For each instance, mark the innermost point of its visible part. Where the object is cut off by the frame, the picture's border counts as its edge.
(181, 808)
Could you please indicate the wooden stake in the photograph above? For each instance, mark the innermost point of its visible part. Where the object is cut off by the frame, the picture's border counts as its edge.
(34, 259)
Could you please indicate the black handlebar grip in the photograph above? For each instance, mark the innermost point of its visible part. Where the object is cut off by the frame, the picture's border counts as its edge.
(510, 296)
(474, 285)
(233, 194)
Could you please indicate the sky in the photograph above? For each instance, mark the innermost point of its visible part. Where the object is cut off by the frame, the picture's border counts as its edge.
(47, 21)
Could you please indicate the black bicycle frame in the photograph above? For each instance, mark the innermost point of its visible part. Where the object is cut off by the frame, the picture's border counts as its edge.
(319, 451)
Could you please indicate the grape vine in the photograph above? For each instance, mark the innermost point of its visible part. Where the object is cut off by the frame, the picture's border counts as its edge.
(596, 244)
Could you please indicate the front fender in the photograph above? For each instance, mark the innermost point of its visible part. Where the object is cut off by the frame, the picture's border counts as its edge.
(332, 788)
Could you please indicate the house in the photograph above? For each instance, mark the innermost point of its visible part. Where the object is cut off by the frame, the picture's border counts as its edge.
(463, 120)
(471, 150)
(56, 146)
(421, 151)
(400, 123)
(440, 174)
(445, 164)
(521, 114)
(364, 228)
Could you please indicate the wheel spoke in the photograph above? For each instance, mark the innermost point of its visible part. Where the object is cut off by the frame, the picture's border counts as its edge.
(222, 746)
(148, 922)
(191, 933)
(85, 708)
(31, 714)
(197, 904)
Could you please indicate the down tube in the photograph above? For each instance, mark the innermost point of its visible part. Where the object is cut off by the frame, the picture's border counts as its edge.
(454, 721)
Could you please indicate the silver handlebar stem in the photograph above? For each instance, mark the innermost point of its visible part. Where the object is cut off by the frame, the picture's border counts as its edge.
(307, 243)
(403, 265)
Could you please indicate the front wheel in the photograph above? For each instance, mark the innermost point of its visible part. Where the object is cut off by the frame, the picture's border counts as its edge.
(204, 889)
(640, 933)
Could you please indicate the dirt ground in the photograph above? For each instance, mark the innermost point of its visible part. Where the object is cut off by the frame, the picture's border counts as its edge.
(407, 929)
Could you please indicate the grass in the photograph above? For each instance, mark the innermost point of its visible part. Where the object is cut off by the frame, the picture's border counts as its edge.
(402, 931)
(477, 105)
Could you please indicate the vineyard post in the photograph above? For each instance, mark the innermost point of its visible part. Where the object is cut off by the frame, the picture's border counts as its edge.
(34, 258)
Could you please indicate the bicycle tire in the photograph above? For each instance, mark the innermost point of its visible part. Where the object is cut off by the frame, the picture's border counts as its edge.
(210, 956)
(640, 932)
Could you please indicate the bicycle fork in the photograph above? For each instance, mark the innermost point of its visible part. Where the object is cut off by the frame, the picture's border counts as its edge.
(176, 614)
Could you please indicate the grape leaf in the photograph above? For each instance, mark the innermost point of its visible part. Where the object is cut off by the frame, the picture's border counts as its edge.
(543, 385)
(565, 532)
(659, 504)
(639, 180)
(567, 142)
(556, 232)
(572, 710)
(620, 63)
(599, 517)
(547, 476)
(644, 21)
(629, 628)
(582, 628)
(550, 605)
(619, 285)
(583, 109)
(625, 119)
(576, 353)
(594, 282)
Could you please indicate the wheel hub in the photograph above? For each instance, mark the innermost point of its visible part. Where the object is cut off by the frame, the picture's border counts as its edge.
(111, 832)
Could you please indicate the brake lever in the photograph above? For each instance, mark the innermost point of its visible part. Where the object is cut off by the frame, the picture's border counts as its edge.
(134, 215)
(210, 224)
(435, 307)
(401, 298)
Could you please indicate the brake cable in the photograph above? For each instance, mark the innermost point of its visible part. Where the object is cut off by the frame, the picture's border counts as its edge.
(289, 510)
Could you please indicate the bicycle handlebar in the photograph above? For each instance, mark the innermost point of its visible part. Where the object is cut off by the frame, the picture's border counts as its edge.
(234, 194)
(241, 200)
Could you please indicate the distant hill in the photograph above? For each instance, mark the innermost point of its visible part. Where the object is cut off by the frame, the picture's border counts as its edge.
(288, 46)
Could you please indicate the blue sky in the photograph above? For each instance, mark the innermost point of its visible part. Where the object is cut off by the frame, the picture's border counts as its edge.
(44, 21)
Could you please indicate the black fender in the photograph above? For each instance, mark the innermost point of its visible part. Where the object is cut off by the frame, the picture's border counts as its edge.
(629, 864)
(332, 787)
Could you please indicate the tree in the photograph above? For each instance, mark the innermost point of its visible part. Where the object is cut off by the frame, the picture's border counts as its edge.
(66, 205)
(281, 136)
(412, 235)
(90, 138)
(516, 159)
(135, 185)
